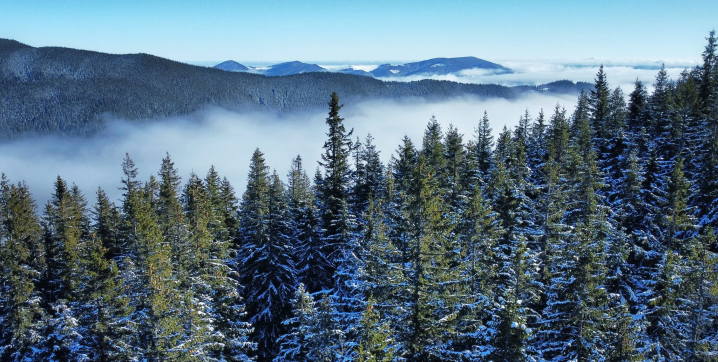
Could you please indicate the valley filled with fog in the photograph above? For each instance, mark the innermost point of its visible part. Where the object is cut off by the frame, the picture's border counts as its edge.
(227, 139)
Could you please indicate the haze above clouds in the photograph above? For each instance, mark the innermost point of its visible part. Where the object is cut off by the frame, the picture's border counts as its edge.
(227, 139)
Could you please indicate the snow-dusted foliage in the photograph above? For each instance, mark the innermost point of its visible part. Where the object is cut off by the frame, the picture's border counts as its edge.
(583, 236)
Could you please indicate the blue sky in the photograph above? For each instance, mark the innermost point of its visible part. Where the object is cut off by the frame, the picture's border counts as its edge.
(312, 30)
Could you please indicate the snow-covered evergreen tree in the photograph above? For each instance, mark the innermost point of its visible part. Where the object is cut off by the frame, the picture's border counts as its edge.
(105, 331)
(21, 266)
(480, 149)
(148, 271)
(295, 344)
(429, 296)
(265, 259)
(66, 230)
(310, 252)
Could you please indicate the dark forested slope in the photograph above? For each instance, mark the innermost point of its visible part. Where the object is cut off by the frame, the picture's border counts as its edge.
(65, 91)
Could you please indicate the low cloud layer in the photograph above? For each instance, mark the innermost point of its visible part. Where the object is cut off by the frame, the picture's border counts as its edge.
(621, 72)
(227, 139)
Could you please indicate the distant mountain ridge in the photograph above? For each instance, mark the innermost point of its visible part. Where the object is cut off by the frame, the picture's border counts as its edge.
(70, 92)
(232, 66)
(291, 68)
(276, 70)
(435, 66)
(438, 66)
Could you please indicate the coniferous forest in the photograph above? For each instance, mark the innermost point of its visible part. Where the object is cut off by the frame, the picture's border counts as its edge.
(579, 235)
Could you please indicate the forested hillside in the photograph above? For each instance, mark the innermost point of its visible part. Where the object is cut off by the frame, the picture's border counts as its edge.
(582, 235)
(67, 92)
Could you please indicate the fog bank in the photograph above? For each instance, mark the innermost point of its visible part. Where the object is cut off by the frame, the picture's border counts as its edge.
(226, 140)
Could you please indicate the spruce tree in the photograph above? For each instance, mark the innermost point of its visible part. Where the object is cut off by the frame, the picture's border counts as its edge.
(615, 144)
(481, 147)
(369, 181)
(22, 265)
(429, 303)
(224, 207)
(66, 230)
(667, 330)
(537, 147)
(340, 227)
(516, 288)
(598, 104)
(381, 273)
(265, 259)
(706, 179)
(311, 260)
(577, 314)
(216, 315)
(479, 233)
(432, 148)
(295, 344)
(148, 269)
(702, 298)
(336, 219)
(374, 337)
(104, 309)
(107, 219)
(637, 104)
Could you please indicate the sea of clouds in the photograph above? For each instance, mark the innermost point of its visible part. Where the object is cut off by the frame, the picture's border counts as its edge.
(620, 73)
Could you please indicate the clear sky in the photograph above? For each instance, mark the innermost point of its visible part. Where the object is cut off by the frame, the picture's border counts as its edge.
(315, 30)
